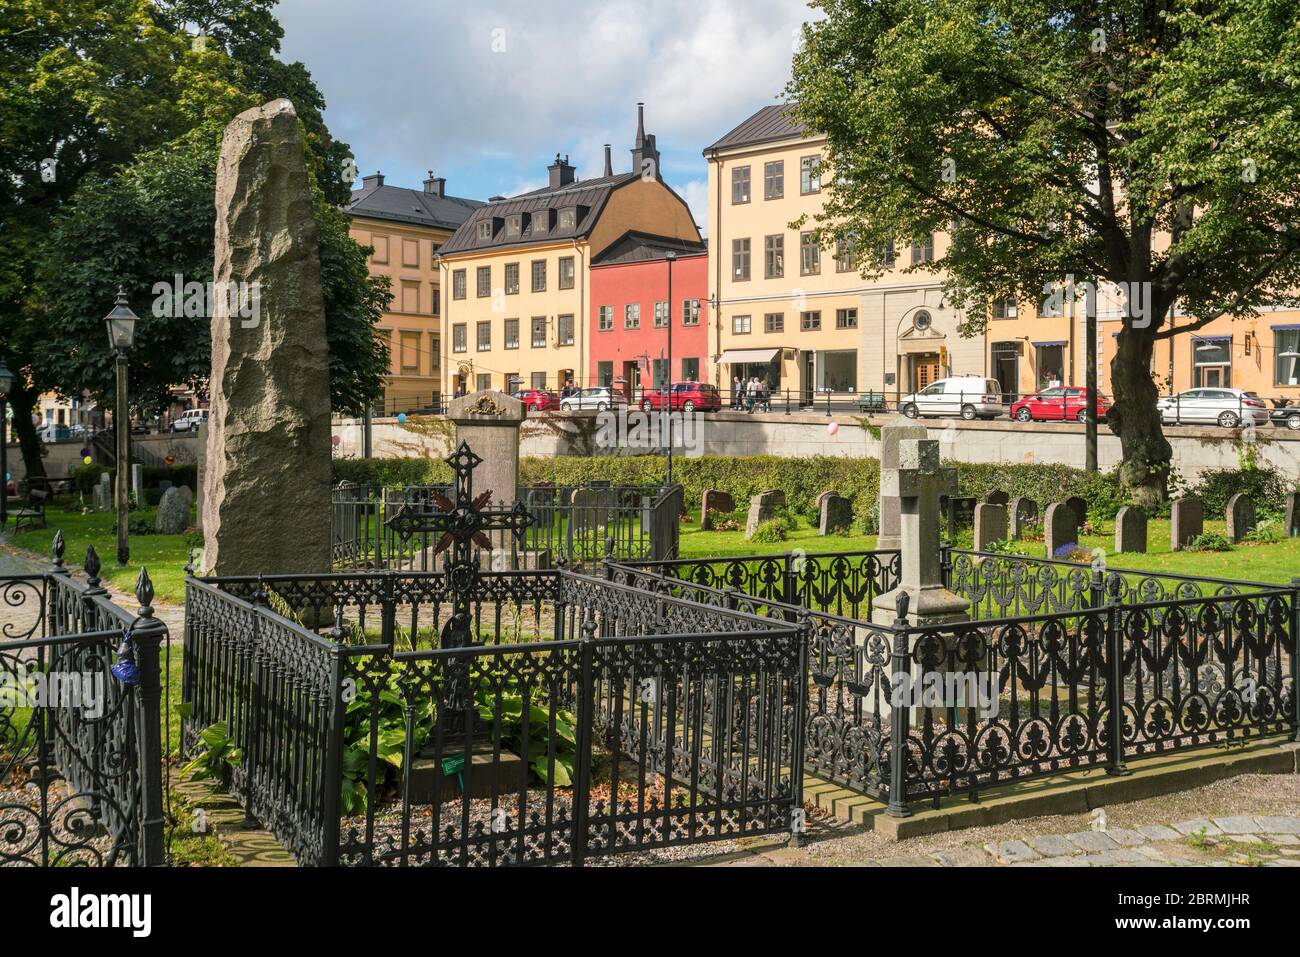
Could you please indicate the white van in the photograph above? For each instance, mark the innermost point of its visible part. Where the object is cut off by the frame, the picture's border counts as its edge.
(971, 397)
(190, 421)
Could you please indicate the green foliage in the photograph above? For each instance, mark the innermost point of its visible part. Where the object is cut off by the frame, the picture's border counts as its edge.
(1263, 484)
(510, 710)
(391, 471)
(84, 478)
(1210, 542)
(389, 706)
(1266, 532)
(217, 757)
(770, 531)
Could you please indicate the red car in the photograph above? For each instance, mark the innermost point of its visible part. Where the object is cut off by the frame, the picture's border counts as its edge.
(686, 396)
(538, 400)
(1059, 403)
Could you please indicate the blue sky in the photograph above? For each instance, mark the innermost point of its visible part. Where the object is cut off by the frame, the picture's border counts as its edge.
(486, 94)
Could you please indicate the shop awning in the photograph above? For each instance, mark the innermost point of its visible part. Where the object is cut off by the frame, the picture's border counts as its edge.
(1054, 342)
(743, 356)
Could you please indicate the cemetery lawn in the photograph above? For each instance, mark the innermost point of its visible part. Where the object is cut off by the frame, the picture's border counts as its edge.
(164, 555)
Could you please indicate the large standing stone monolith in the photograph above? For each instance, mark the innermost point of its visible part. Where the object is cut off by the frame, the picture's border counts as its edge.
(266, 499)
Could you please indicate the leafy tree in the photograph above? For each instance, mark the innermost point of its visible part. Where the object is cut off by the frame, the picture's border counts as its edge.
(1147, 142)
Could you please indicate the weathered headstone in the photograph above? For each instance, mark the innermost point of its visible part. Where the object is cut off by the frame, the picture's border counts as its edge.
(898, 429)
(960, 511)
(836, 513)
(97, 500)
(1023, 512)
(715, 500)
(266, 504)
(1060, 528)
(174, 511)
(1186, 522)
(825, 495)
(762, 507)
(1291, 519)
(1131, 529)
(996, 497)
(775, 496)
(137, 483)
(106, 502)
(489, 422)
(990, 525)
(1079, 505)
(1240, 515)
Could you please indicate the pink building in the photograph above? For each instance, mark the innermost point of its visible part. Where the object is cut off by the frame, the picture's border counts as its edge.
(630, 313)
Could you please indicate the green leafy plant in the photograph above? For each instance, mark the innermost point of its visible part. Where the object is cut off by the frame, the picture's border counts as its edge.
(1210, 542)
(509, 709)
(1266, 532)
(770, 531)
(218, 757)
(387, 704)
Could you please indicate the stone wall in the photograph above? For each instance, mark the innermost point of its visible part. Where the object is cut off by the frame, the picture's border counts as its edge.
(60, 457)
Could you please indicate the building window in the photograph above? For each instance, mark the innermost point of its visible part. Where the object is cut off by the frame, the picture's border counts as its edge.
(691, 370)
(632, 315)
(1211, 363)
(661, 315)
(1004, 309)
(606, 321)
(740, 325)
(773, 256)
(739, 185)
(539, 380)
(485, 230)
(484, 381)
(435, 296)
(568, 218)
(846, 259)
(810, 321)
(774, 322)
(810, 255)
(539, 275)
(483, 279)
(435, 350)
(458, 284)
(566, 272)
(512, 334)
(774, 179)
(380, 255)
(565, 329)
(1286, 360)
(690, 312)
(923, 251)
(512, 279)
(411, 353)
(458, 338)
(605, 374)
(1050, 364)
(410, 297)
(810, 175)
(515, 226)
(885, 256)
(740, 259)
(846, 318)
(410, 253)
(484, 341)
(539, 332)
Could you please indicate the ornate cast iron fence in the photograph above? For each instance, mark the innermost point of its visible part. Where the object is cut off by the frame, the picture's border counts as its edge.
(80, 722)
(672, 721)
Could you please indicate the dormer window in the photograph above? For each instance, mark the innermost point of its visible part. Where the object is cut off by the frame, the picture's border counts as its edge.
(485, 230)
(568, 218)
(515, 226)
(541, 222)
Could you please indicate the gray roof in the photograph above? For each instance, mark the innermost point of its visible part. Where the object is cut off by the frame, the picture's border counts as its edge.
(767, 125)
(588, 196)
(635, 246)
(415, 207)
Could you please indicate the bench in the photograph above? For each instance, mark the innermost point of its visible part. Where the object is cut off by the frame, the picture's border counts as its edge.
(871, 402)
(32, 515)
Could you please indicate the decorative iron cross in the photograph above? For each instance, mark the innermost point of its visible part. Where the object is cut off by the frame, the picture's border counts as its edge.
(464, 522)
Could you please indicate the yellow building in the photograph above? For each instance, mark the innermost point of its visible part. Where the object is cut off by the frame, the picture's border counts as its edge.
(407, 227)
(516, 274)
(802, 316)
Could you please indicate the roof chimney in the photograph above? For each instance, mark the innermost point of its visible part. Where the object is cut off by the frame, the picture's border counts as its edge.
(435, 185)
(561, 172)
(645, 155)
(374, 179)
(609, 160)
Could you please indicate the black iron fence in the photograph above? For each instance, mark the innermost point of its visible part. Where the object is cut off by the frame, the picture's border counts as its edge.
(595, 719)
(80, 722)
(579, 525)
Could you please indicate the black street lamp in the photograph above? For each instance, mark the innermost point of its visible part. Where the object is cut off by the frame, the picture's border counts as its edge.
(667, 405)
(6, 383)
(121, 337)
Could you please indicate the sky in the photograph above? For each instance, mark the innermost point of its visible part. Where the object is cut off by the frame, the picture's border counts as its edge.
(486, 93)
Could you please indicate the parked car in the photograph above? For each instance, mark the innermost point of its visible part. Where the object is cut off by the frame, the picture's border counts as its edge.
(971, 397)
(685, 396)
(50, 432)
(599, 398)
(538, 400)
(1228, 407)
(189, 421)
(1058, 403)
(1287, 416)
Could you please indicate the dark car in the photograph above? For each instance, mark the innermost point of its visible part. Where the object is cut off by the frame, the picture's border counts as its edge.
(1287, 416)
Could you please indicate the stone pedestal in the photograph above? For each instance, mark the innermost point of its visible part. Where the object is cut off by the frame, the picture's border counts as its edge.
(895, 431)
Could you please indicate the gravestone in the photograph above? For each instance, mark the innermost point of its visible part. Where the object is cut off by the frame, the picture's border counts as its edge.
(1186, 522)
(836, 513)
(106, 502)
(266, 502)
(959, 511)
(762, 507)
(1079, 505)
(990, 525)
(996, 497)
(715, 500)
(489, 423)
(174, 511)
(1131, 529)
(898, 429)
(1240, 515)
(825, 495)
(137, 483)
(1060, 528)
(1023, 512)
(1291, 518)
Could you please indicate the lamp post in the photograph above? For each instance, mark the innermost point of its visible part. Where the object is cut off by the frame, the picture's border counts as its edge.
(671, 257)
(6, 383)
(121, 337)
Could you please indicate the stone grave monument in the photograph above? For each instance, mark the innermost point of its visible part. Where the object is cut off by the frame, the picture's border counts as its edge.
(1186, 522)
(1131, 529)
(897, 429)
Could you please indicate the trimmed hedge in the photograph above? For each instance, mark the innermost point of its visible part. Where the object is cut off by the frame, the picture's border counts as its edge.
(85, 477)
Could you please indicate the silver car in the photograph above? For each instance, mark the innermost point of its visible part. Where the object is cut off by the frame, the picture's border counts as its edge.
(599, 398)
(1227, 407)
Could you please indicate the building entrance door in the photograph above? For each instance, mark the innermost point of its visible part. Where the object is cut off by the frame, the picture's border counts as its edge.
(924, 370)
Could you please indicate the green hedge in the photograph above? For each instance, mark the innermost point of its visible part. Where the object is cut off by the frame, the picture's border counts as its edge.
(85, 477)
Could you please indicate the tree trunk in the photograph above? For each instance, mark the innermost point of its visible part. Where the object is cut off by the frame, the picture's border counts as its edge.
(23, 401)
(1144, 472)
